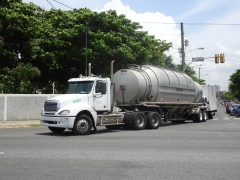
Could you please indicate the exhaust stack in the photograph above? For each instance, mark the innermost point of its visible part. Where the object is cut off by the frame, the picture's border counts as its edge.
(111, 68)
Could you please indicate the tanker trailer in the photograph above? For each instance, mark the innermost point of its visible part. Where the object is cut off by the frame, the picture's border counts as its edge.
(173, 95)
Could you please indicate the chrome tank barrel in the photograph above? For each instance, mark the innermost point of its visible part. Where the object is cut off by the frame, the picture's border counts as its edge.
(154, 84)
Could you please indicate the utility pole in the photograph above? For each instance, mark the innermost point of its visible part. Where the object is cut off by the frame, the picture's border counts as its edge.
(183, 51)
(86, 51)
(199, 73)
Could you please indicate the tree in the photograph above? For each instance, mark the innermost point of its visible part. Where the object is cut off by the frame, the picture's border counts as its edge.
(228, 96)
(1, 38)
(191, 73)
(23, 73)
(234, 85)
(54, 41)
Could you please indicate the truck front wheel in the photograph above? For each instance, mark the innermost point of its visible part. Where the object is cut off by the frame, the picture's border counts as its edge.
(82, 125)
(56, 129)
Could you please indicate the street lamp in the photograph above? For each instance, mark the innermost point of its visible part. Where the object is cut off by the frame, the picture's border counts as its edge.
(181, 51)
(193, 60)
(196, 65)
(199, 71)
(202, 48)
(204, 75)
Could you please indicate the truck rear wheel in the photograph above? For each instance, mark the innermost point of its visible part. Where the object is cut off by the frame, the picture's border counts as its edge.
(204, 116)
(153, 120)
(82, 125)
(56, 129)
(139, 121)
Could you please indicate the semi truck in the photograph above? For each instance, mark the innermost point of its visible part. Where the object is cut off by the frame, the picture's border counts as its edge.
(138, 97)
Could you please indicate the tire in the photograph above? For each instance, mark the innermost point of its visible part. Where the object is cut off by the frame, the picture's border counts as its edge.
(153, 120)
(198, 117)
(204, 116)
(210, 116)
(113, 127)
(82, 125)
(139, 121)
(236, 114)
(56, 129)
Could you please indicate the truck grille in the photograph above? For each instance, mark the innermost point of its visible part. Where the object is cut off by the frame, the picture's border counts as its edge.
(51, 106)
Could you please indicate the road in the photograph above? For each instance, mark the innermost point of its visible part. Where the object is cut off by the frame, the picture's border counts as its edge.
(209, 150)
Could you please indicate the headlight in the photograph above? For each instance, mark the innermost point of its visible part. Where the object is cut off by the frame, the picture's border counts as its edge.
(64, 112)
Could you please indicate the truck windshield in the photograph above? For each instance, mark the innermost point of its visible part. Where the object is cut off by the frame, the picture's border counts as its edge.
(83, 87)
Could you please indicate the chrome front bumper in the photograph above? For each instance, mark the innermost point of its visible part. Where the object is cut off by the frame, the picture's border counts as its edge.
(57, 121)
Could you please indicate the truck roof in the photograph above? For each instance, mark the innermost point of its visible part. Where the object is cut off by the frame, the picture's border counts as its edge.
(88, 78)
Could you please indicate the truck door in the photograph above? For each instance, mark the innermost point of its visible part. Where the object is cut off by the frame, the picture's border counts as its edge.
(100, 96)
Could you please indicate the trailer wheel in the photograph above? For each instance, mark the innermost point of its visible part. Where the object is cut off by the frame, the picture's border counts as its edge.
(139, 121)
(56, 129)
(82, 125)
(198, 117)
(204, 116)
(153, 120)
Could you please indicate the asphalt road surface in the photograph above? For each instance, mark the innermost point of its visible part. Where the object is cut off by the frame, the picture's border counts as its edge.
(209, 150)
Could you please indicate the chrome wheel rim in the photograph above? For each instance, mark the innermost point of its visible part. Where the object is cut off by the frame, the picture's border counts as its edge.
(140, 121)
(154, 121)
(82, 125)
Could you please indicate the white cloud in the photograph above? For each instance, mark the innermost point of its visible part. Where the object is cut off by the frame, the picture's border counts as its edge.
(222, 48)
(151, 22)
(237, 52)
(201, 6)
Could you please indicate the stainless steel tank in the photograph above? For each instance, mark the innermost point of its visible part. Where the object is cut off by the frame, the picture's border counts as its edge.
(154, 84)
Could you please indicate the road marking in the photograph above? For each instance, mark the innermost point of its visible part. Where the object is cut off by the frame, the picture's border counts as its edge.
(225, 118)
(237, 118)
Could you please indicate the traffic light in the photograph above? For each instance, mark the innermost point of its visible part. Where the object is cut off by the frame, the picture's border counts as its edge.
(222, 58)
(216, 58)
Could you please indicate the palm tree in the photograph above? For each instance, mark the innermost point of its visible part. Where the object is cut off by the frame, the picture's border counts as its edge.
(25, 73)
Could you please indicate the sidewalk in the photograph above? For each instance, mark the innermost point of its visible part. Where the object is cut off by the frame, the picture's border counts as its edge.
(19, 124)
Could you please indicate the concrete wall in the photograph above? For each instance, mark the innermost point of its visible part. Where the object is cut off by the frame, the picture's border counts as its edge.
(22, 106)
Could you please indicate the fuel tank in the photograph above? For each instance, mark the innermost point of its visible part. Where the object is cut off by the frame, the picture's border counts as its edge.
(154, 84)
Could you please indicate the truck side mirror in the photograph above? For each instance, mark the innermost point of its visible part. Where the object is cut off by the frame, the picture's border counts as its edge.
(206, 101)
(103, 87)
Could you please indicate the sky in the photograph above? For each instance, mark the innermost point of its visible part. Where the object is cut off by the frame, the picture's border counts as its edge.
(210, 24)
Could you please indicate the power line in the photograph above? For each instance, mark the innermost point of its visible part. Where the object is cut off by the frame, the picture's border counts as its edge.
(221, 24)
(51, 4)
(63, 4)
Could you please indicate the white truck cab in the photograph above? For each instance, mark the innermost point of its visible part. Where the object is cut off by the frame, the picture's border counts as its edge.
(86, 97)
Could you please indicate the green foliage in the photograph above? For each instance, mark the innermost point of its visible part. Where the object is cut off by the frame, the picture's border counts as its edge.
(234, 85)
(55, 43)
(17, 80)
(191, 73)
(228, 96)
